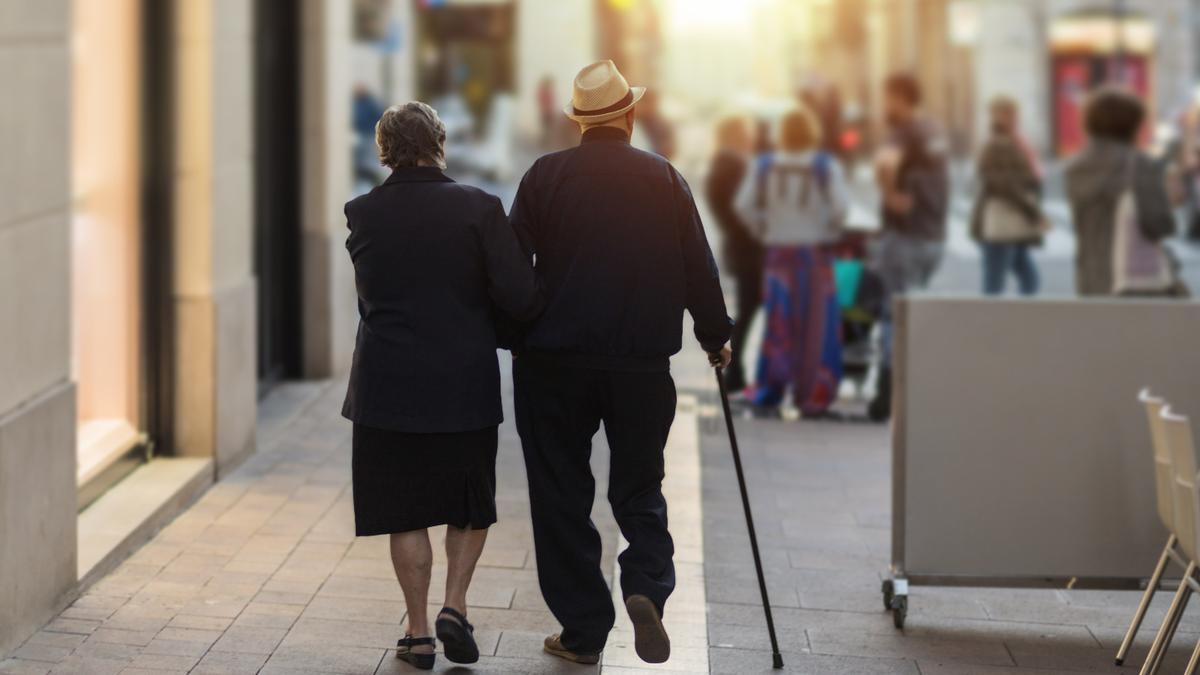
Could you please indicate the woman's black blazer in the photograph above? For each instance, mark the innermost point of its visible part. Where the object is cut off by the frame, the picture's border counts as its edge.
(434, 264)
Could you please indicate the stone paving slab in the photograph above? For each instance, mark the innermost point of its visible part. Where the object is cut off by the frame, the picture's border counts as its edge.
(821, 497)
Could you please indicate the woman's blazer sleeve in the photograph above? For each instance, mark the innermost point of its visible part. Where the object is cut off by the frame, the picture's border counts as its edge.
(511, 280)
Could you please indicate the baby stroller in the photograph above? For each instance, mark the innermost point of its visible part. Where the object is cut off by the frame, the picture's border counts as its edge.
(860, 295)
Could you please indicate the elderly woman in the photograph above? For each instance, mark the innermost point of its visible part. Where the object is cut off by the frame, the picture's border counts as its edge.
(799, 197)
(435, 263)
(1097, 177)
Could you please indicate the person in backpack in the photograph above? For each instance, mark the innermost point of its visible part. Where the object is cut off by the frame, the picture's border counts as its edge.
(1107, 168)
(799, 196)
(1007, 218)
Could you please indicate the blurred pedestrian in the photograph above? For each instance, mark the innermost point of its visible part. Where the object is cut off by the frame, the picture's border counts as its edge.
(742, 253)
(1007, 219)
(622, 253)
(1108, 169)
(659, 131)
(825, 101)
(1188, 165)
(366, 111)
(433, 262)
(547, 111)
(799, 196)
(762, 138)
(912, 174)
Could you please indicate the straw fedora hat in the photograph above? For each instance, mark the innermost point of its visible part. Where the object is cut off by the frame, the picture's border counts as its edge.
(601, 94)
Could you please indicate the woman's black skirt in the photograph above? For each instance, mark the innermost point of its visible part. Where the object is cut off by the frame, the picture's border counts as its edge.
(408, 481)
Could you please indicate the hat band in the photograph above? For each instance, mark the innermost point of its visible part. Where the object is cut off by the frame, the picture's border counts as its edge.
(625, 100)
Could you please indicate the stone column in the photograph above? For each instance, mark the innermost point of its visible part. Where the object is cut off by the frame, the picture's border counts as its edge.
(1174, 67)
(329, 309)
(214, 289)
(1011, 59)
(37, 398)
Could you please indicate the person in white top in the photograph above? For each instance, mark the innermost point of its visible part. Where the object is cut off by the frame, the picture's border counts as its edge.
(796, 201)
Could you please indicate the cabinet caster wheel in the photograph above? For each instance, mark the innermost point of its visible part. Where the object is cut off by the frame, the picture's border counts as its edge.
(899, 611)
(889, 591)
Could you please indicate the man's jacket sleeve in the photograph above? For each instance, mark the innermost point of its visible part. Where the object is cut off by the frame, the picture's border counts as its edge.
(704, 301)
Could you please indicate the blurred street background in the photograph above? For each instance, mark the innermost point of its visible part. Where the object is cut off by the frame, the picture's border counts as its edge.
(177, 313)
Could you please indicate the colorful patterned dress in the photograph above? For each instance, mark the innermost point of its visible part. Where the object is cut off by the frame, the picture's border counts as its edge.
(799, 199)
(802, 345)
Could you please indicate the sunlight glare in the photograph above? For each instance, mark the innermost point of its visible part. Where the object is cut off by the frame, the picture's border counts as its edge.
(690, 15)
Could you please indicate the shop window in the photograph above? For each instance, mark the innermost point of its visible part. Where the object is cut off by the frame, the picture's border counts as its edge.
(106, 255)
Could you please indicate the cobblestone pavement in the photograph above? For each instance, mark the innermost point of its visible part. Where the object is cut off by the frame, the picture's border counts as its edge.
(821, 497)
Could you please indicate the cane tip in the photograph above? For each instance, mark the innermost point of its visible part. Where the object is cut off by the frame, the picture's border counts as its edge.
(778, 661)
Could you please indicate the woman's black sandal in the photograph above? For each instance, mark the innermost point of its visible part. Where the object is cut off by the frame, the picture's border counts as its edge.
(405, 653)
(457, 636)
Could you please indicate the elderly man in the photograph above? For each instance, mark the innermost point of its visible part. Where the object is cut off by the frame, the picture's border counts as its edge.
(621, 253)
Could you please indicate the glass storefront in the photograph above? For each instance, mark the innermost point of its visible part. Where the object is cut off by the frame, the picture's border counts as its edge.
(1089, 49)
(106, 219)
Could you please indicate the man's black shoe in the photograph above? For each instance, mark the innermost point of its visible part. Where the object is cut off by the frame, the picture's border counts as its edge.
(650, 638)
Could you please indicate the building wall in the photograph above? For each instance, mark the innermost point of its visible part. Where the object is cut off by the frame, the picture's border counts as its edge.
(37, 398)
(1012, 57)
(1013, 42)
(1174, 71)
(214, 290)
(1173, 40)
(390, 74)
(553, 39)
(329, 310)
(892, 36)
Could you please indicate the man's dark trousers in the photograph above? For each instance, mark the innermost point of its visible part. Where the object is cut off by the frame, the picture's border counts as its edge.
(559, 409)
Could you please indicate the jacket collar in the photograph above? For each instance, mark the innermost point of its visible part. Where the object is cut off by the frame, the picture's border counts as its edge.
(604, 134)
(418, 174)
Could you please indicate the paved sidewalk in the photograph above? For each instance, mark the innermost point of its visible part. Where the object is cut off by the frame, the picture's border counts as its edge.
(821, 497)
(264, 574)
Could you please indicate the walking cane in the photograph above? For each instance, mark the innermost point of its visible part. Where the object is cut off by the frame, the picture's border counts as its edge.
(737, 465)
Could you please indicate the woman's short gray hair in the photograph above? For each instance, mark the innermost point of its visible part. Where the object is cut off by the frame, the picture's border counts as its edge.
(410, 134)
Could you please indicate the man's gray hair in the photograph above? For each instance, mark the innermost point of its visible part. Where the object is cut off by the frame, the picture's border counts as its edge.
(409, 135)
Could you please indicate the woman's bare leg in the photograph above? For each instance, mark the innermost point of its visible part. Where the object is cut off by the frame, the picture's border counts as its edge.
(463, 548)
(412, 558)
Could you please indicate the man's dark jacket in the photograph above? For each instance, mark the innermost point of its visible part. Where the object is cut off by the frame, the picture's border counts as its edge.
(924, 175)
(621, 252)
(435, 263)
